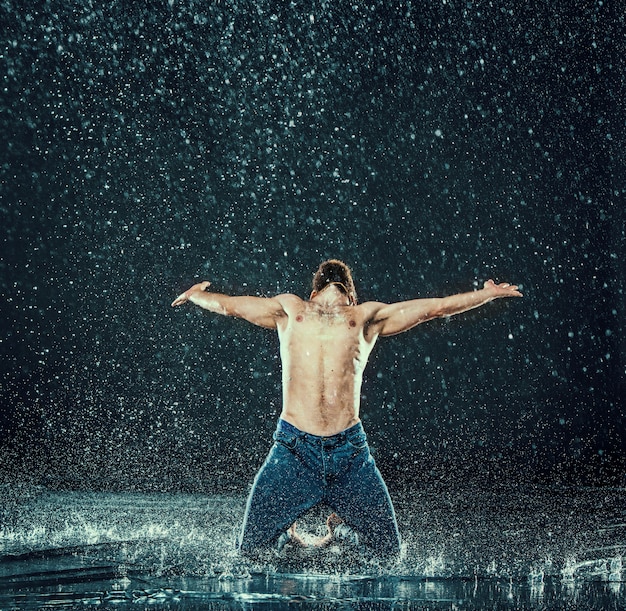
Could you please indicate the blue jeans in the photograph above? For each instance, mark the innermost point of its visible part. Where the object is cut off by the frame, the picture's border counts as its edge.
(304, 470)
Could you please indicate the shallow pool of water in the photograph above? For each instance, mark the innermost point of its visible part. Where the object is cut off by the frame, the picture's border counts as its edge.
(509, 548)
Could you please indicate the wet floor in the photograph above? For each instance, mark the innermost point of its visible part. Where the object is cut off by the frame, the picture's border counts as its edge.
(534, 548)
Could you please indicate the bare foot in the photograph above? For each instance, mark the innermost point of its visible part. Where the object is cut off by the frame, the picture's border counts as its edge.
(296, 539)
(332, 522)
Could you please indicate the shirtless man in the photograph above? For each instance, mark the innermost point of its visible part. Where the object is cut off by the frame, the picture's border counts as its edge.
(320, 454)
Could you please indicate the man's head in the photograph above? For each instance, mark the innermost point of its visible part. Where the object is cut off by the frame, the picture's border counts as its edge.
(338, 273)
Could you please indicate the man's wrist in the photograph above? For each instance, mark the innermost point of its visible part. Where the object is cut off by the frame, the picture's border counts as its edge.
(485, 295)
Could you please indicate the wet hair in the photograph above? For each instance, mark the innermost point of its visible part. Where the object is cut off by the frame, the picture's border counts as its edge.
(334, 271)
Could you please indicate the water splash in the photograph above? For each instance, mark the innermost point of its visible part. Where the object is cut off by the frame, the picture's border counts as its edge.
(194, 535)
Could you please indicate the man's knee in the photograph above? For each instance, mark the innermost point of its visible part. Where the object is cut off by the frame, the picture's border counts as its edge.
(386, 545)
(246, 545)
(252, 548)
(392, 548)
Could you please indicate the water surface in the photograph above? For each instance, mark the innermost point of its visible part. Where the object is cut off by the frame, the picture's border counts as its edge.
(505, 547)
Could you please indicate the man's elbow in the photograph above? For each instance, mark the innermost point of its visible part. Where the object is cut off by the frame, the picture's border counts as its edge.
(230, 309)
(208, 303)
(438, 310)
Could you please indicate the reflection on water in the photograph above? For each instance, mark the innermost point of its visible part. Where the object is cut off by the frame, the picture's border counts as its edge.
(496, 548)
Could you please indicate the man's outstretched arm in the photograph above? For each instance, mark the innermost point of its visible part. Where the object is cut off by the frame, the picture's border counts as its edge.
(402, 316)
(260, 311)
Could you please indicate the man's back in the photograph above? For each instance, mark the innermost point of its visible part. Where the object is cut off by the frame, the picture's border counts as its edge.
(324, 352)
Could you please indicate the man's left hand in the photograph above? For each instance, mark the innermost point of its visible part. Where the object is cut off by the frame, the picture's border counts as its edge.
(503, 289)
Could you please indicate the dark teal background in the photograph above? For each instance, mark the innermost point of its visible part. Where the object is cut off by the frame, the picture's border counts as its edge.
(150, 145)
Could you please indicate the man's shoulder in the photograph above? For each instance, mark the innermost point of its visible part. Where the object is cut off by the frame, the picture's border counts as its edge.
(289, 300)
(369, 308)
(370, 313)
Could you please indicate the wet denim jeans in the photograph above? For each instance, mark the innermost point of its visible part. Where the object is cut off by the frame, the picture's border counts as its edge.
(304, 470)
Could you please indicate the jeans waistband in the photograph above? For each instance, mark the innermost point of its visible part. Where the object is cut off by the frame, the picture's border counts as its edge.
(336, 439)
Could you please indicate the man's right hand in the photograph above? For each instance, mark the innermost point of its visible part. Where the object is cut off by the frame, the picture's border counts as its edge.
(184, 297)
